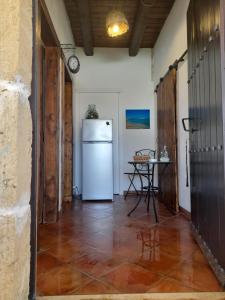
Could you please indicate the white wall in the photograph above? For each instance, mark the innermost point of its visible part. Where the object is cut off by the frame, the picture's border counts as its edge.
(171, 44)
(112, 70)
(60, 20)
(172, 41)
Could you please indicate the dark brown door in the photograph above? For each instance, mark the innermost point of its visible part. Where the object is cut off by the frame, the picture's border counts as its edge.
(206, 141)
(167, 136)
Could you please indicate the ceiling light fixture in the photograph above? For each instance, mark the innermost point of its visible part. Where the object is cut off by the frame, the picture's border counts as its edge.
(116, 23)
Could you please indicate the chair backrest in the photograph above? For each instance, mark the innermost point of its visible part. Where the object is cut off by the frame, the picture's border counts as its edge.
(150, 152)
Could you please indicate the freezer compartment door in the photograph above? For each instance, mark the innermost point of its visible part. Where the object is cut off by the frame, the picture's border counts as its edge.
(97, 130)
(97, 171)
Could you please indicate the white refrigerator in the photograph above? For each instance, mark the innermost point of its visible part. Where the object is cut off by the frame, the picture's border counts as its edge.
(97, 160)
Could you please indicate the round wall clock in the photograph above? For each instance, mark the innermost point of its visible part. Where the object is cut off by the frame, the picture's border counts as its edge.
(73, 64)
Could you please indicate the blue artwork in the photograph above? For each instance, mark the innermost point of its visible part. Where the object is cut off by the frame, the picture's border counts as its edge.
(137, 119)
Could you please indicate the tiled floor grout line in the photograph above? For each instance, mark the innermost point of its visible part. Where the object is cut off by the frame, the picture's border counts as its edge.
(94, 279)
(173, 279)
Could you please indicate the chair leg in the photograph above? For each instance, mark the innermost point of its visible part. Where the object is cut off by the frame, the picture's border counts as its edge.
(135, 188)
(154, 207)
(139, 200)
(125, 197)
(131, 184)
(148, 200)
(146, 196)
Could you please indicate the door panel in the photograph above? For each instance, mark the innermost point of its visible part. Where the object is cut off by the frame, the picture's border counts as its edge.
(206, 113)
(97, 171)
(97, 130)
(166, 110)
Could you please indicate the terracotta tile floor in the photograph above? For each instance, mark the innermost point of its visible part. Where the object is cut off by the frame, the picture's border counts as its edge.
(96, 249)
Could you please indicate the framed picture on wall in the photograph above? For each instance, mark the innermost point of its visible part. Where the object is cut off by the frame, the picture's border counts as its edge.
(137, 118)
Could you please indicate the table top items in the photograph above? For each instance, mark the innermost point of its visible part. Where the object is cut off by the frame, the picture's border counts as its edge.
(164, 155)
(153, 160)
(144, 158)
(141, 158)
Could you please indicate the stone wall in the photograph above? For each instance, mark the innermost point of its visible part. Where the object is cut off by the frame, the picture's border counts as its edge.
(15, 147)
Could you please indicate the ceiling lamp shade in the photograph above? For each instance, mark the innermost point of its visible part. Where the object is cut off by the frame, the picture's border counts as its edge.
(116, 23)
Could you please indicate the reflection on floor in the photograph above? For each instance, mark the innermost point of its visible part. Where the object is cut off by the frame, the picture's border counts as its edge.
(96, 249)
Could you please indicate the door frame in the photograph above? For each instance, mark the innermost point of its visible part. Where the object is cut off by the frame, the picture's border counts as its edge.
(35, 142)
(35, 167)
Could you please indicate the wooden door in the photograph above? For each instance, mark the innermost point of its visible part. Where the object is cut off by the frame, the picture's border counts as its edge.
(206, 140)
(41, 57)
(68, 143)
(51, 135)
(220, 43)
(166, 111)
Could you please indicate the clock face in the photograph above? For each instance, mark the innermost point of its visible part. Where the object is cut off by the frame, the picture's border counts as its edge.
(73, 64)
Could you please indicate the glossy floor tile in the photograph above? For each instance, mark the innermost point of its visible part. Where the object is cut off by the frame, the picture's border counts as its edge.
(95, 287)
(95, 248)
(130, 278)
(197, 275)
(61, 281)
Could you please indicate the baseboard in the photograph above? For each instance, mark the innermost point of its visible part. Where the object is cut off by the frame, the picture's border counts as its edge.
(186, 213)
(134, 193)
(218, 270)
(130, 192)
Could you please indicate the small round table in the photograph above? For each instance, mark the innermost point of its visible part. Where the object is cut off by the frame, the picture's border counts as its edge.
(150, 187)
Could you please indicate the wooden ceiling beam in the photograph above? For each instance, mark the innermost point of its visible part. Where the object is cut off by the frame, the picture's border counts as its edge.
(85, 23)
(138, 29)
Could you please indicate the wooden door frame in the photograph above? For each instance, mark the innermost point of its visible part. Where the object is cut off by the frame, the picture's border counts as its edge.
(38, 7)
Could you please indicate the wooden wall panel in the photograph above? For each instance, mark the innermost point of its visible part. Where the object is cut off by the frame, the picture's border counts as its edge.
(166, 110)
(68, 143)
(51, 138)
(41, 58)
(206, 144)
(62, 130)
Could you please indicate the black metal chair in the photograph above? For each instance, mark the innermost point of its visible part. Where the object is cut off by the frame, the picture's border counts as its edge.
(147, 171)
(143, 170)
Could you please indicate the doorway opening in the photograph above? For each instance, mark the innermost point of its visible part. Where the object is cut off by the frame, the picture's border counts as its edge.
(92, 247)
